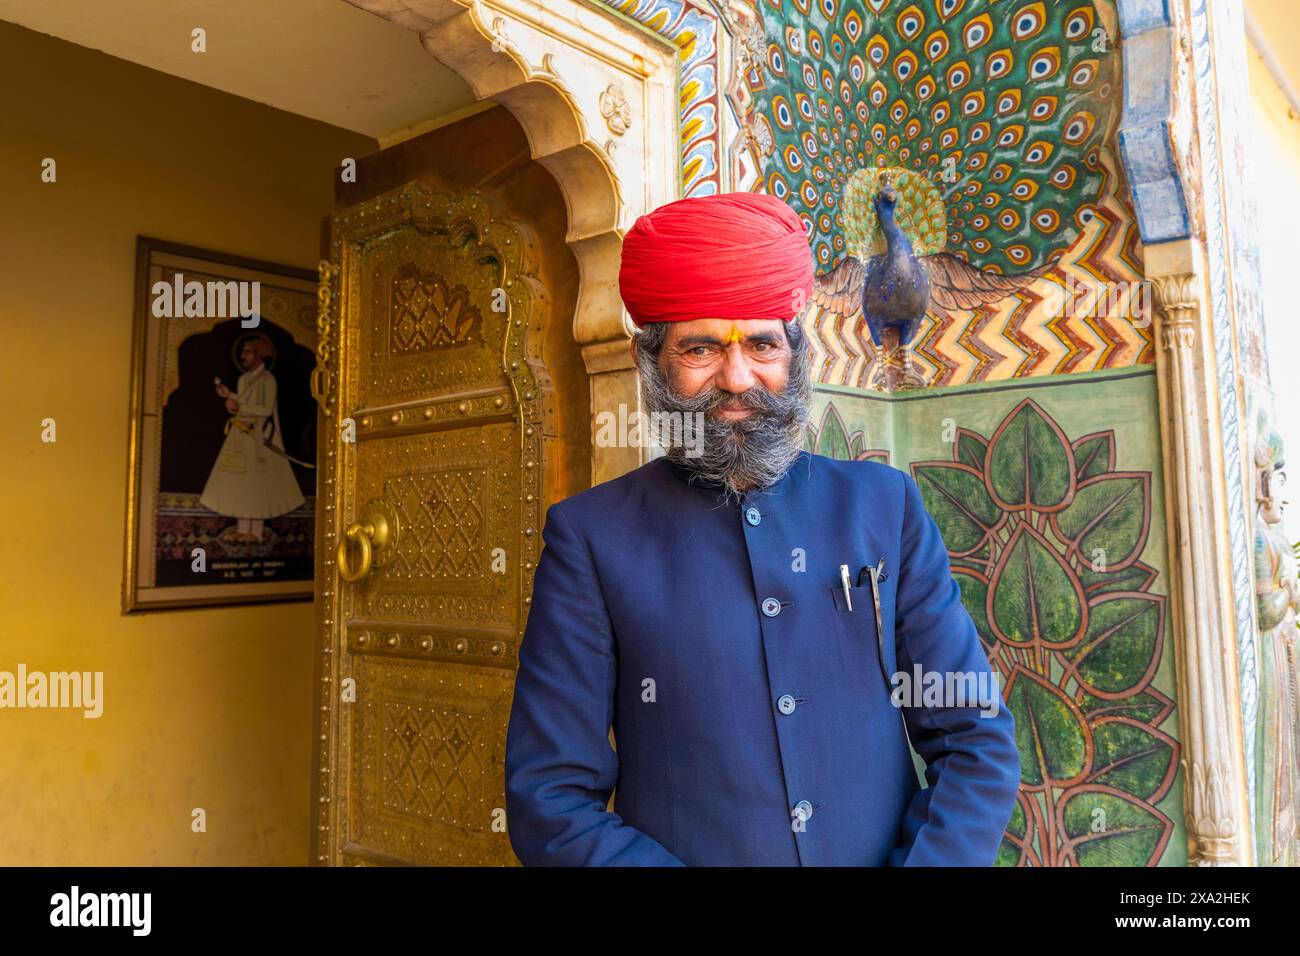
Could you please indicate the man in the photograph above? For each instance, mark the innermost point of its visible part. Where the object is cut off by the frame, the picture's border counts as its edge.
(697, 607)
(248, 481)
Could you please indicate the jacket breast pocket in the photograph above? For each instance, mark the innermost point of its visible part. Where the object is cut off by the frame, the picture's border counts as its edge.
(859, 627)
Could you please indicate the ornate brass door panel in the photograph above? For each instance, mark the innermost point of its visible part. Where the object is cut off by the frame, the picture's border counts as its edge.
(440, 423)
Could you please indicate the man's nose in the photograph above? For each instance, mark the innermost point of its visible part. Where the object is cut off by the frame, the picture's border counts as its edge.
(735, 375)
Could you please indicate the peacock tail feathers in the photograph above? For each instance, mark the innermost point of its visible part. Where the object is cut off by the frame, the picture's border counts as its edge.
(998, 106)
(920, 211)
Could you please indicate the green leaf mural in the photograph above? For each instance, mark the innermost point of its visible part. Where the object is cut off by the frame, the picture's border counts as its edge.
(974, 595)
(1036, 596)
(1050, 732)
(832, 439)
(1045, 538)
(1107, 827)
(1011, 852)
(971, 448)
(1108, 519)
(1029, 463)
(977, 560)
(1149, 707)
(1136, 577)
(1118, 655)
(1131, 757)
(1094, 455)
(956, 498)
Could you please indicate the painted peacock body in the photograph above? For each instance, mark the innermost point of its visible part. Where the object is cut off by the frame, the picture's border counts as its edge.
(942, 153)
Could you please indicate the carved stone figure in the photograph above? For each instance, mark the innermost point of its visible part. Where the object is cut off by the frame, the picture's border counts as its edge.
(1277, 603)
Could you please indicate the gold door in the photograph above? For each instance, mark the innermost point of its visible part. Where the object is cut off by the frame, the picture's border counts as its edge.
(438, 457)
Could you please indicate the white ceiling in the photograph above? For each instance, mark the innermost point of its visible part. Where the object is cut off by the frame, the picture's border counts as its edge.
(323, 59)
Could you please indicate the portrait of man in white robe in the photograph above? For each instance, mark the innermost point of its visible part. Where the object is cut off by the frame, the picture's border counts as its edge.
(252, 479)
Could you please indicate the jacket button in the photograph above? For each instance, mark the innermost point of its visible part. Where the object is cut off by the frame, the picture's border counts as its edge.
(786, 704)
(752, 516)
(771, 607)
(803, 809)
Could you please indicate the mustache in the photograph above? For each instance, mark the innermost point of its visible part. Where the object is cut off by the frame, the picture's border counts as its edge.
(713, 398)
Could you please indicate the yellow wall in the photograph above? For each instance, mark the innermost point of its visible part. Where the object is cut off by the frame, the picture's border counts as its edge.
(202, 708)
(1275, 162)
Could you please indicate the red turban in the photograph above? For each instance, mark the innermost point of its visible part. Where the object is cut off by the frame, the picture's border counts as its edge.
(730, 256)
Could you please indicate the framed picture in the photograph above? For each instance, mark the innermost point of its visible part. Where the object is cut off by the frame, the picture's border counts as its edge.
(221, 492)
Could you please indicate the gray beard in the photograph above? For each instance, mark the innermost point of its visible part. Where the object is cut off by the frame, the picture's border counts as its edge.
(735, 456)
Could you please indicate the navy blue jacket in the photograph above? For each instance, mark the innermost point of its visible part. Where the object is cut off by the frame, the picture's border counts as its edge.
(752, 716)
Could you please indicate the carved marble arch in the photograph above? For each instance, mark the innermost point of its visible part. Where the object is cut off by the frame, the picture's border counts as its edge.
(597, 98)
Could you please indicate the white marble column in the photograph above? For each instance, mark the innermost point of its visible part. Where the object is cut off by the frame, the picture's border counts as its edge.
(1213, 760)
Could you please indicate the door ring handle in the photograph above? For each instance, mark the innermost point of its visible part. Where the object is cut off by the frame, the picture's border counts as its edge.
(362, 535)
(375, 537)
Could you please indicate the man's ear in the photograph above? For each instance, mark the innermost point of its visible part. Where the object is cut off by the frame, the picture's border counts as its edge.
(634, 350)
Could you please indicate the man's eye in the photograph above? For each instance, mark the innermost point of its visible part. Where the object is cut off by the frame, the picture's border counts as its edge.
(699, 350)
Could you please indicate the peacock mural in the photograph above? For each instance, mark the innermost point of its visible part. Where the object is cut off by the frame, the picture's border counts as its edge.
(943, 154)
